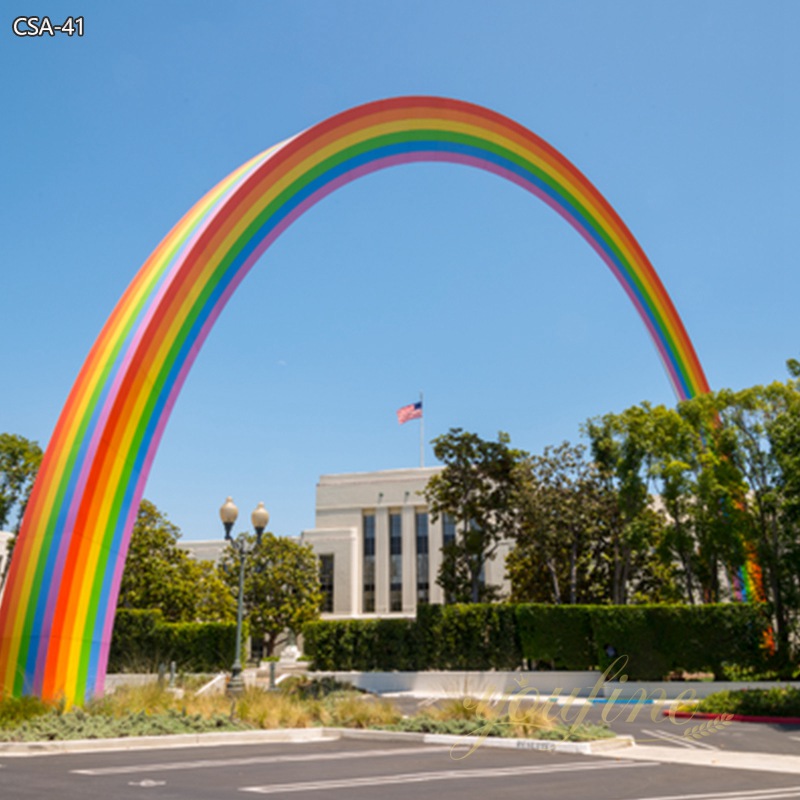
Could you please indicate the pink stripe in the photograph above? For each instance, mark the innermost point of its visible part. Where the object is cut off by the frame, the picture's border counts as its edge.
(153, 303)
(178, 263)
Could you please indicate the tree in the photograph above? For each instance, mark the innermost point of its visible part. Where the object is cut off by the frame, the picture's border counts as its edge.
(682, 459)
(159, 574)
(761, 430)
(281, 585)
(20, 459)
(725, 467)
(576, 543)
(620, 455)
(675, 464)
(785, 438)
(19, 462)
(477, 488)
(560, 502)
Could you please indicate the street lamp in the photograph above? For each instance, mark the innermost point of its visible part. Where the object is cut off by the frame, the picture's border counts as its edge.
(260, 517)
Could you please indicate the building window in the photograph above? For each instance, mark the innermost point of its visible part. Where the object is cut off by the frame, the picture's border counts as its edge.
(423, 585)
(448, 530)
(448, 537)
(369, 563)
(395, 562)
(326, 581)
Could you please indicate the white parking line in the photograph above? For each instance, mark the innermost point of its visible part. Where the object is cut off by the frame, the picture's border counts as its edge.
(681, 740)
(752, 794)
(243, 762)
(442, 775)
(660, 735)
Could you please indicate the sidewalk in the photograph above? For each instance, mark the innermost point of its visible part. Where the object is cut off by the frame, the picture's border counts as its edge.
(725, 759)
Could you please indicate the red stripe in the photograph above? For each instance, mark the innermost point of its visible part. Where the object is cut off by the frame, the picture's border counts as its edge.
(734, 717)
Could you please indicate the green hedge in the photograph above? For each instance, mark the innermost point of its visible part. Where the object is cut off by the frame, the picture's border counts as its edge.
(363, 645)
(142, 641)
(660, 639)
(557, 637)
(657, 639)
(459, 637)
(469, 636)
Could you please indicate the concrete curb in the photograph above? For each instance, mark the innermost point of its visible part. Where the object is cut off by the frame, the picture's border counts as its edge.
(300, 735)
(734, 717)
(473, 742)
(168, 741)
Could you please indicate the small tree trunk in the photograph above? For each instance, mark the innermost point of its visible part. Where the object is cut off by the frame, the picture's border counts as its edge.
(615, 579)
(573, 573)
(475, 575)
(556, 588)
(687, 568)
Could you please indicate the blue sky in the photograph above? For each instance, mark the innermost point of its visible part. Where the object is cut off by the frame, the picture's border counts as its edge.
(430, 277)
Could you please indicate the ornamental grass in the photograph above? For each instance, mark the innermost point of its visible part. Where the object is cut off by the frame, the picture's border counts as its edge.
(151, 709)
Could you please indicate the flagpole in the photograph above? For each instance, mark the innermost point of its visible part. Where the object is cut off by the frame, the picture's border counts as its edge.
(421, 433)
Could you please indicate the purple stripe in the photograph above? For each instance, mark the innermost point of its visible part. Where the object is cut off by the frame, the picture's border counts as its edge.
(172, 269)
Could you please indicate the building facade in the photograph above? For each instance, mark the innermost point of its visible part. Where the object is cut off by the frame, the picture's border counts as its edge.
(379, 549)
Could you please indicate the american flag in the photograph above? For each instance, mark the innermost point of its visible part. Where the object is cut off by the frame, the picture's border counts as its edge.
(413, 411)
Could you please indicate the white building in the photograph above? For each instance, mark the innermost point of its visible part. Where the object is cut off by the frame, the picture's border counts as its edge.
(379, 550)
(205, 549)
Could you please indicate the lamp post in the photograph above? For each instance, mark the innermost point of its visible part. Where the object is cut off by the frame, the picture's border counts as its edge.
(260, 517)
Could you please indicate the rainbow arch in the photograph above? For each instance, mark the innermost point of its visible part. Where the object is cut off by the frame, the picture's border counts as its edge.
(58, 609)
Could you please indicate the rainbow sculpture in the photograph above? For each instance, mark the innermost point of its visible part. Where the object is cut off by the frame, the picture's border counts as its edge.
(58, 610)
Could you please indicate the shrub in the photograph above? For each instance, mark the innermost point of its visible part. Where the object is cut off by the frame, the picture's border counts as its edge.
(137, 642)
(363, 645)
(660, 639)
(657, 639)
(16, 710)
(314, 688)
(469, 636)
(142, 641)
(79, 724)
(639, 632)
(559, 637)
(778, 701)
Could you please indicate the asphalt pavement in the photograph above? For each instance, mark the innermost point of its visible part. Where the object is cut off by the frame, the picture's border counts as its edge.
(350, 769)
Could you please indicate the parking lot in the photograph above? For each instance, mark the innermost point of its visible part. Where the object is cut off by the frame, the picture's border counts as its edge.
(340, 768)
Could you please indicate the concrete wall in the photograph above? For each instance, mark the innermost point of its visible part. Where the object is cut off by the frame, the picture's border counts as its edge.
(578, 684)
(460, 684)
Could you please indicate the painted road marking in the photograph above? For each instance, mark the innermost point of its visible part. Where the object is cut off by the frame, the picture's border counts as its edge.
(442, 775)
(684, 741)
(243, 762)
(740, 794)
